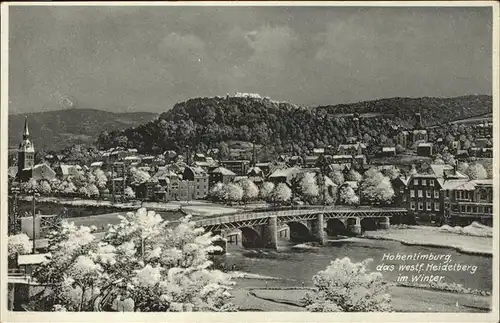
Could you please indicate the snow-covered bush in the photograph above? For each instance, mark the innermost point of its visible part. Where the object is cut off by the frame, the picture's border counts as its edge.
(346, 286)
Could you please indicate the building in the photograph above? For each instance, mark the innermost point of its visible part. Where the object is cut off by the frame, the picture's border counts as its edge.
(351, 149)
(284, 175)
(200, 179)
(221, 175)
(37, 172)
(402, 138)
(469, 202)
(419, 133)
(424, 149)
(387, 152)
(26, 150)
(64, 170)
(239, 167)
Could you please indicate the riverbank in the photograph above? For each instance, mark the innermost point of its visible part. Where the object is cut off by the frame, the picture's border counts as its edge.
(201, 208)
(433, 237)
(249, 294)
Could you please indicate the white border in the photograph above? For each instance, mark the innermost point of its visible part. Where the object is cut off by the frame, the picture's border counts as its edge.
(247, 316)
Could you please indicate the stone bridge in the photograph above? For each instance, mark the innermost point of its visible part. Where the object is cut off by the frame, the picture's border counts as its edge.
(261, 229)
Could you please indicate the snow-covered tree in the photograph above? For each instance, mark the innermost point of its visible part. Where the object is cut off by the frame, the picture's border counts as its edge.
(392, 172)
(67, 188)
(376, 187)
(266, 190)
(462, 167)
(141, 264)
(250, 190)
(138, 176)
(93, 190)
(30, 186)
(44, 188)
(353, 175)
(348, 196)
(218, 192)
(337, 177)
(18, 244)
(83, 191)
(101, 178)
(476, 171)
(309, 186)
(282, 193)
(129, 193)
(345, 286)
(448, 158)
(234, 192)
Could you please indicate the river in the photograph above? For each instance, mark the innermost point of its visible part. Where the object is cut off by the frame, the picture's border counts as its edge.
(296, 267)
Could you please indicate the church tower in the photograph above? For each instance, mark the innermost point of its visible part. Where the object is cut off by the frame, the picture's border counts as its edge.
(26, 151)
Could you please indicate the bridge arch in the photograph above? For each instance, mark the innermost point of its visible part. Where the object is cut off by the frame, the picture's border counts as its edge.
(368, 224)
(250, 238)
(335, 227)
(299, 232)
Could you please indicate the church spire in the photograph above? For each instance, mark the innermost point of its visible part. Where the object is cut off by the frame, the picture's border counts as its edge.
(26, 132)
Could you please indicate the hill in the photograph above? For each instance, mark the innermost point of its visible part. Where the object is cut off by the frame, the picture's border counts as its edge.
(280, 126)
(54, 130)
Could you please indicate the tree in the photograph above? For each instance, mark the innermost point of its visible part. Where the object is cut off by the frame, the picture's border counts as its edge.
(250, 190)
(140, 262)
(44, 188)
(348, 196)
(349, 287)
(139, 176)
(376, 187)
(282, 193)
(337, 177)
(30, 186)
(476, 171)
(462, 167)
(83, 191)
(448, 158)
(101, 179)
(67, 188)
(218, 192)
(18, 244)
(353, 175)
(234, 192)
(92, 190)
(392, 172)
(309, 187)
(129, 193)
(266, 190)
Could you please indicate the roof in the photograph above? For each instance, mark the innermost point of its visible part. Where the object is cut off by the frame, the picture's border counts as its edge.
(343, 156)
(422, 131)
(223, 171)
(65, 169)
(442, 170)
(12, 171)
(388, 149)
(33, 259)
(197, 171)
(96, 164)
(134, 158)
(254, 170)
(352, 184)
(319, 150)
(448, 184)
(483, 182)
(425, 144)
(286, 172)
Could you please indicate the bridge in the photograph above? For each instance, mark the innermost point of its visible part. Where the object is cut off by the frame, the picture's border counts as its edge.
(261, 229)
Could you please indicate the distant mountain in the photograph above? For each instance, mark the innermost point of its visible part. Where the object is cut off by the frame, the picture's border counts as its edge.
(201, 123)
(54, 130)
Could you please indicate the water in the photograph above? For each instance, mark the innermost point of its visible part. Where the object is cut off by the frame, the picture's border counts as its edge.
(298, 266)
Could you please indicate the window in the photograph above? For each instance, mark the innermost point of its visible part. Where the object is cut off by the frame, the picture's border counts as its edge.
(415, 182)
(428, 193)
(404, 198)
(436, 194)
(420, 206)
(428, 206)
(424, 182)
(431, 182)
(436, 206)
(420, 194)
(474, 209)
(412, 205)
(457, 195)
(412, 193)
(462, 208)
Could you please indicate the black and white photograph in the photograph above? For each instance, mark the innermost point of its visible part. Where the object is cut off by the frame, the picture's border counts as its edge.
(289, 157)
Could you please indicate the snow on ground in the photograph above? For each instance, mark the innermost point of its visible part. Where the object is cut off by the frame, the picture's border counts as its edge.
(304, 246)
(460, 239)
(474, 229)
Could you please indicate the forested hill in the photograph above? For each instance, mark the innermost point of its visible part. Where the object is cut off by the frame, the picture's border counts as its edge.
(434, 110)
(54, 130)
(206, 122)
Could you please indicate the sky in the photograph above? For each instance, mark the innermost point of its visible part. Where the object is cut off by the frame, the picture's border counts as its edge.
(125, 59)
